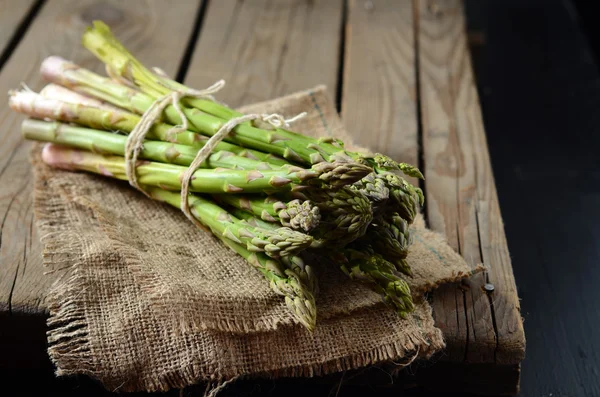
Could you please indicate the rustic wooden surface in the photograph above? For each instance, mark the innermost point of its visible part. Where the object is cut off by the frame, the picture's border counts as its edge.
(57, 30)
(265, 49)
(379, 102)
(461, 195)
(12, 15)
(402, 75)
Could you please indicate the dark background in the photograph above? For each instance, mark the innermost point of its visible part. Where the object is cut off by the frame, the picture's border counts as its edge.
(536, 63)
(539, 83)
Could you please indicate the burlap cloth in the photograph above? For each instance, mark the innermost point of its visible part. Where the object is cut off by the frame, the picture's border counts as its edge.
(147, 301)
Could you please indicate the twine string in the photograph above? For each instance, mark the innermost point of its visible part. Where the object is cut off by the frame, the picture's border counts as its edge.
(278, 121)
(202, 155)
(135, 140)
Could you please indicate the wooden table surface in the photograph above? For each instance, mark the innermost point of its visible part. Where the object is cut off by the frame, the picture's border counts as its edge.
(401, 73)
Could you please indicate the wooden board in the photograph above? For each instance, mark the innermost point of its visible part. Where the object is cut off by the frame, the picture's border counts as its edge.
(385, 41)
(462, 202)
(379, 103)
(145, 28)
(12, 15)
(265, 49)
(406, 72)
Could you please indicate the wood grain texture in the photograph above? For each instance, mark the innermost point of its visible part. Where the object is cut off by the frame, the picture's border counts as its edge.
(461, 195)
(146, 28)
(264, 49)
(11, 15)
(379, 104)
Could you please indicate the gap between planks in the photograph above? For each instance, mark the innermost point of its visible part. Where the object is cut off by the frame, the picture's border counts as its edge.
(11, 13)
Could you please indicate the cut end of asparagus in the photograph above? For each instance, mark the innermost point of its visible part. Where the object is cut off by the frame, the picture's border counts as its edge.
(37, 106)
(53, 67)
(60, 157)
(60, 93)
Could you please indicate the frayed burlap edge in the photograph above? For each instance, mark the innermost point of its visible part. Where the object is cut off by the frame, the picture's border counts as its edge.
(70, 339)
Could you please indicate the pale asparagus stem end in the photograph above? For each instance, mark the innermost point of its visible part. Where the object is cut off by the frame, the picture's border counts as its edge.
(53, 67)
(60, 93)
(56, 156)
(35, 105)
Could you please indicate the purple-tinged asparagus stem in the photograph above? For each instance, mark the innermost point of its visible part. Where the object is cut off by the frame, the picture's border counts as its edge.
(169, 176)
(60, 93)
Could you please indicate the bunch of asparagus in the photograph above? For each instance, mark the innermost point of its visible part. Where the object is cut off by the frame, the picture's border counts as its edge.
(267, 192)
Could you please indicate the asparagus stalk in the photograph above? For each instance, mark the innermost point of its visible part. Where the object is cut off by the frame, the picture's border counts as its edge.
(298, 298)
(108, 143)
(168, 176)
(274, 242)
(373, 270)
(100, 41)
(300, 215)
(292, 262)
(60, 93)
(391, 238)
(251, 219)
(97, 141)
(38, 106)
(60, 71)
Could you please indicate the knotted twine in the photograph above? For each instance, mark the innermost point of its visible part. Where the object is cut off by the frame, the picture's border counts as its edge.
(135, 140)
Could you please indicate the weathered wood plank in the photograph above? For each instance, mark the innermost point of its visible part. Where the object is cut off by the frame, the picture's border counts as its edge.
(265, 49)
(461, 196)
(147, 29)
(12, 14)
(379, 87)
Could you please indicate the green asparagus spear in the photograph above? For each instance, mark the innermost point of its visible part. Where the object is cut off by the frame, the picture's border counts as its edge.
(404, 197)
(168, 176)
(345, 215)
(374, 187)
(275, 242)
(296, 147)
(37, 106)
(293, 262)
(391, 238)
(298, 298)
(373, 270)
(301, 215)
(109, 143)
